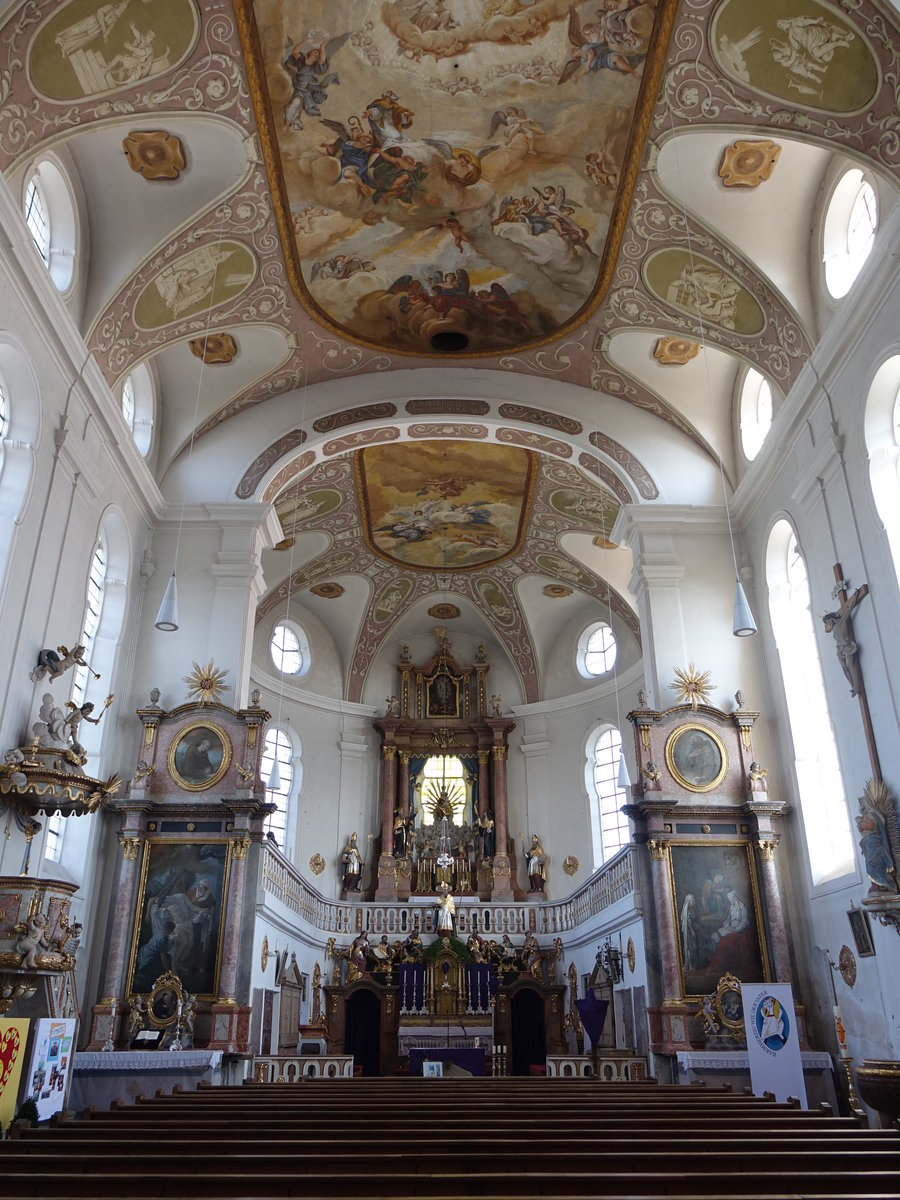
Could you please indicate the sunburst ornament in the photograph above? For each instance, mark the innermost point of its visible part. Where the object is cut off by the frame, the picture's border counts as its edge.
(206, 683)
(693, 686)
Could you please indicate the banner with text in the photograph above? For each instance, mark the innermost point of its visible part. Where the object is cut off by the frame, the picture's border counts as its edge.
(773, 1043)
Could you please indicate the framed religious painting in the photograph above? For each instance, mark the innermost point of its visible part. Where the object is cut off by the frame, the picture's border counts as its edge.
(199, 756)
(180, 917)
(442, 696)
(696, 757)
(718, 919)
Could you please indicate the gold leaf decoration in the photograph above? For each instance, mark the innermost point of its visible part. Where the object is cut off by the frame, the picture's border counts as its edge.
(317, 864)
(693, 686)
(206, 684)
(570, 864)
(154, 154)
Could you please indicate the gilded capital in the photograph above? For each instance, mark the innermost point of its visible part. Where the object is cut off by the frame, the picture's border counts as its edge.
(404, 757)
(130, 846)
(766, 850)
(499, 753)
(241, 846)
(657, 848)
(483, 756)
(388, 752)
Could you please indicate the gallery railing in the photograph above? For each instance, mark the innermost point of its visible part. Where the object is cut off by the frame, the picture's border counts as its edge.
(614, 881)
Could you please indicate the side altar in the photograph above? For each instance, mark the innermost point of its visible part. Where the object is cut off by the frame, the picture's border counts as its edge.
(443, 783)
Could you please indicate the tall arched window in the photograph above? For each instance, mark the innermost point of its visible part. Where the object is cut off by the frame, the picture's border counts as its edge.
(93, 604)
(138, 405)
(37, 218)
(20, 410)
(755, 412)
(883, 444)
(278, 747)
(851, 223)
(609, 825)
(823, 802)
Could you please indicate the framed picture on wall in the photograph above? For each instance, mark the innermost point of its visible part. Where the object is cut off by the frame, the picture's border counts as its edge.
(179, 919)
(199, 756)
(696, 757)
(862, 935)
(718, 919)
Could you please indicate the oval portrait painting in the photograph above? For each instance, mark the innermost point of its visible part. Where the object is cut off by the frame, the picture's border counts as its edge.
(697, 758)
(199, 756)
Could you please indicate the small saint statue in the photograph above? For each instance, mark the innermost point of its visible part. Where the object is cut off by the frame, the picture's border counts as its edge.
(497, 705)
(651, 774)
(757, 776)
(536, 861)
(393, 706)
(351, 865)
(446, 912)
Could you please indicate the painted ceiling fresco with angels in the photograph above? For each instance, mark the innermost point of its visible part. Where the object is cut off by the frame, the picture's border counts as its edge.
(452, 175)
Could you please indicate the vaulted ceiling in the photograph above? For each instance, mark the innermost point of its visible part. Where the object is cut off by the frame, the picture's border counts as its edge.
(413, 227)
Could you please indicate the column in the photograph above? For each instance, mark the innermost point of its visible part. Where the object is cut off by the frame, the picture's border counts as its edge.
(232, 938)
(483, 785)
(404, 782)
(502, 889)
(386, 887)
(778, 945)
(665, 921)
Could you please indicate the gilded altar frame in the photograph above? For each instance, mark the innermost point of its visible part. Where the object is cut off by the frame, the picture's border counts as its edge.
(709, 750)
(188, 739)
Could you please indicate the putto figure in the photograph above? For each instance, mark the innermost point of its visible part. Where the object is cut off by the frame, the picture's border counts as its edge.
(54, 663)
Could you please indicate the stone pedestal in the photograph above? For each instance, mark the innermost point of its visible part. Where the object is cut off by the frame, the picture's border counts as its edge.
(230, 1028)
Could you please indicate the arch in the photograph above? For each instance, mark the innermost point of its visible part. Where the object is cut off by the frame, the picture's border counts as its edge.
(289, 648)
(596, 650)
(882, 435)
(18, 443)
(823, 801)
(610, 828)
(755, 408)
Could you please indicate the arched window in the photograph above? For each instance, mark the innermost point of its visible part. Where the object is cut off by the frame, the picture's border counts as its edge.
(51, 217)
(138, 406)
(609, 825)
(596, 651)
(278, 747)
(443, 775)
(823, 802)
(37, 218)
(289, 648)
(20, 411)
(93, 604)
(883, 444)
(849, 234)
(755, 412)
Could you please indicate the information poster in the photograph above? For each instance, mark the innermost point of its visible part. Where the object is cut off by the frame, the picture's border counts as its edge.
(13, 1039)
(51, 1065)
(773, 1044)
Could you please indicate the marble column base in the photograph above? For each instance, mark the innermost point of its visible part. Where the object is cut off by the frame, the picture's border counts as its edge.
(387, 881)
(230, 1028)
(502, 886)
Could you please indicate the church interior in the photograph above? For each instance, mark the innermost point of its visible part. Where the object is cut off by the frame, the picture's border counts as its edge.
(450, 543)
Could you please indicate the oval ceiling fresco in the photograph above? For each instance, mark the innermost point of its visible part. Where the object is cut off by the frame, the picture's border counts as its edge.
(89, 49)
(198, 281)
(689, 284)
(452, 176)
(798, 50)
(438, 505)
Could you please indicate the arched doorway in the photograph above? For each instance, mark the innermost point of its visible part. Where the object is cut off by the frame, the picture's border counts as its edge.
(362, 1031)
(529, 1042)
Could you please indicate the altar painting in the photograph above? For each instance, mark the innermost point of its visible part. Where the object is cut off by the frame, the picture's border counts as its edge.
(718, 920)
(433, 505)
(453, 167)
(180, 916)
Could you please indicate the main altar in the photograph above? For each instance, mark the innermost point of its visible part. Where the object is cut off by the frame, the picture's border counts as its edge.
(439, 723)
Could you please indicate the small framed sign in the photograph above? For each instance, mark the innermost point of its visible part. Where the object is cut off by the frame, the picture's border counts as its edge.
(433, 1070)
(862, 936)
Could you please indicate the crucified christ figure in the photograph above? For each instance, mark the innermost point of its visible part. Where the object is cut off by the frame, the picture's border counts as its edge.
(839, 623)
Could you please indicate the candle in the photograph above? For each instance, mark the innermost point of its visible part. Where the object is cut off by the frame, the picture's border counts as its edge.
(179, 1010)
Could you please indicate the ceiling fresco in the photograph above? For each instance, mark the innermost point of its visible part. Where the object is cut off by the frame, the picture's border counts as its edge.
(440, 505)
(453, 175)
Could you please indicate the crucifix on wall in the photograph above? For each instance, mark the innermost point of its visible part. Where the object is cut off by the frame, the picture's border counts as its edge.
(839, 624)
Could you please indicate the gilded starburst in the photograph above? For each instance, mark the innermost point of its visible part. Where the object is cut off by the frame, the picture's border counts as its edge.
(693, 686)
(206, 684)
